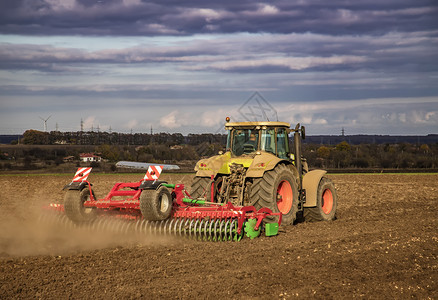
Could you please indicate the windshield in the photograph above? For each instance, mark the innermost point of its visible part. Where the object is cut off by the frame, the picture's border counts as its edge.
(244, 141)
(268, 140)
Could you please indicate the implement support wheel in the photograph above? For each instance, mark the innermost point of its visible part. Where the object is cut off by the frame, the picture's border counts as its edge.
(156, 205)
(326, 203)
(74, 206)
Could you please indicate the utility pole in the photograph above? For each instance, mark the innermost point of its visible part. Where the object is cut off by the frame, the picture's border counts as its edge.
(80, 134)
(98, 134)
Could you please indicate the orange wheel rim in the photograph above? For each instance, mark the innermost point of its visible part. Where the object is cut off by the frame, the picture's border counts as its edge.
(284, 197)
(327, 201)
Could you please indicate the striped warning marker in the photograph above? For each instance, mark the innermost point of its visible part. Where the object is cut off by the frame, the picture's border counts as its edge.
(153, 172)
(81, 174)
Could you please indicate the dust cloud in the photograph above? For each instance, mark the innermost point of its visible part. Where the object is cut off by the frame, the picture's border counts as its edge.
(39, 235)
(23, 233)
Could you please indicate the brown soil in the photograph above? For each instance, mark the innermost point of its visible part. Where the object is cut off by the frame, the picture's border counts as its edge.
(383, 245)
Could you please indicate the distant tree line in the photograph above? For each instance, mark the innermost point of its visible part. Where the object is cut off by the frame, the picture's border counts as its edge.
(51, 149)
(394, 156)
(35, 137)
(27, 157)
(371, 139)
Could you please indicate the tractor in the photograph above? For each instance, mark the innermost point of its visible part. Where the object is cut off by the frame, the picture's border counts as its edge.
(261, 167)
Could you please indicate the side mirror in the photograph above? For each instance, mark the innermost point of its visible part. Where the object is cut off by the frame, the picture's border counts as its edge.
(303, 132)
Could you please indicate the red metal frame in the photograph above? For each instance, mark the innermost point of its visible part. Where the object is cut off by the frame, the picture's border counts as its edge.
(131, 204)
(129, 207)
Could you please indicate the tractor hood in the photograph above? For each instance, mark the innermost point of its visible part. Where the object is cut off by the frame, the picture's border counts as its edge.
(256, 164)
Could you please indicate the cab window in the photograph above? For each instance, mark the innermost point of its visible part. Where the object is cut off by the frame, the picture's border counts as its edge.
(244, 141)
(268, 140)
(282, 143)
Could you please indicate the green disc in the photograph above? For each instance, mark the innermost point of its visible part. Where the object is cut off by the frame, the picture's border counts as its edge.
(249, 229)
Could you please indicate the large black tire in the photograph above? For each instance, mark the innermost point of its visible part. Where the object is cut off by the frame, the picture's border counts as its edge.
(326, 203)
(156, 205)
(74, 206)
(201, 187)
(277, 190)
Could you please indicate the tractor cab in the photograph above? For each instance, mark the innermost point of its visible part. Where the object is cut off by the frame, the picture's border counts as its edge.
(246, 138)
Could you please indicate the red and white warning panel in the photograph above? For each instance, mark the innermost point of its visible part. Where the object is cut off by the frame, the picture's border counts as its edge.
(81, 174)
(153, 172)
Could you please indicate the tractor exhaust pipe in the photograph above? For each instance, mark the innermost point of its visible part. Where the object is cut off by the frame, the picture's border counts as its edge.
(297, 145)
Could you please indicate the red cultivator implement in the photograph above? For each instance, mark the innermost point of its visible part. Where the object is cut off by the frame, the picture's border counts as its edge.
(156, 207)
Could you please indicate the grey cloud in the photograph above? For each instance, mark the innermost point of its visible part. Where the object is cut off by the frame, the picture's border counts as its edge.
(392, 52)
(371, 116)
(136, 95)
(117, 17)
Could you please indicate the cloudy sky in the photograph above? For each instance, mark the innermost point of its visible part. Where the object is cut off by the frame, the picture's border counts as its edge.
(182, 66)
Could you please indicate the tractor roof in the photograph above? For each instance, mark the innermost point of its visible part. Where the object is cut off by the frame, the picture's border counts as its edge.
(252, 124)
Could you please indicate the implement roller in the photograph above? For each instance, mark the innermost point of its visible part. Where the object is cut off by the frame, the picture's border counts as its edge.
(155, 207)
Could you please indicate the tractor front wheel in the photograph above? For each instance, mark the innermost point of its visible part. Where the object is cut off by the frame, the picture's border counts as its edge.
(326, 203)
(74, 206)
(156, 205)
(277, 190)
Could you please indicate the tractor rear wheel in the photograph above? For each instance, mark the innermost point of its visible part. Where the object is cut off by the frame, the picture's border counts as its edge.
(201, 187)
(326, 203)
(156, 205)
(277, 190)
(74, 206)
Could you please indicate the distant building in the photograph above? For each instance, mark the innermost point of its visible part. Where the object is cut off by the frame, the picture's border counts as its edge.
(89, 157)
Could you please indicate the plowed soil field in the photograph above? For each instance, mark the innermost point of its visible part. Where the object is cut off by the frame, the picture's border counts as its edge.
(383, 245)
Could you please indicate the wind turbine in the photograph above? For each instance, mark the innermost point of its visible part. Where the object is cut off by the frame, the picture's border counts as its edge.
(45, 122)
